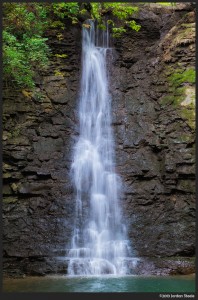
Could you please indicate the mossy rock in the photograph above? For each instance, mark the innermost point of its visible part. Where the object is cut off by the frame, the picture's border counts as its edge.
(6, 135)
(15, 187)
(7, 190)
(186, 186)
(188, 25)
(16, 132)
(189, 100)
(181, 258)
(181, 92)
(183, 138)
(185, 36)
(7, 167)
(187, 107)
(174, 100)
(20, 140)
(9, 200)
(7, 175)
(61, 55)
(166, 100)
(180, 77)
(189, 115)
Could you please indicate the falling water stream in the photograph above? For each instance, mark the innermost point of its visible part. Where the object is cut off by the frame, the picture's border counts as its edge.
(99, 243)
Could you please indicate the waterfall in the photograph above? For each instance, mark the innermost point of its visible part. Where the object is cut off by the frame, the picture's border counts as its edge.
(99, 244)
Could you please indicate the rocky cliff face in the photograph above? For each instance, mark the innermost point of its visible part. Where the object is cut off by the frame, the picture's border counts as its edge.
(153, 99)
(39, 133)
(153, 108)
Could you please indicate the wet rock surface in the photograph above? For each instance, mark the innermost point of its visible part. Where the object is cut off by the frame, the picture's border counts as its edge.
(155, 148)
(41, 266)
(164, 266)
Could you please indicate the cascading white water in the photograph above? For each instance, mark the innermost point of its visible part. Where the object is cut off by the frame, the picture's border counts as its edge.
(99, 245)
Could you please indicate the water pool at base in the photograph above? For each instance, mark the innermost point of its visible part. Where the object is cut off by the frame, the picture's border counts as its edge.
(183, 283)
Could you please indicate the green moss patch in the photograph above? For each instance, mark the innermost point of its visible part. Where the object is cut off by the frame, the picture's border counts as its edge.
(8, 200)
(181, 92)
(178, 78)
(61, 55)
(189, 115)
(174, 99)
(186, 185)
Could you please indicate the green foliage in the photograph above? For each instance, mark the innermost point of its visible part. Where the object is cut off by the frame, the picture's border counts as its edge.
(69, 10)
(58, 73)
(14, 61)
(117, 31)
(120, 12)
(177, 81)
(57, 24)
(167, 3)
(133, 25)
(181, 93)
(96, 11)
(38, 96)
(61, 55)
(60, 36)
(178, 78)
(29, 18)
(24, 48)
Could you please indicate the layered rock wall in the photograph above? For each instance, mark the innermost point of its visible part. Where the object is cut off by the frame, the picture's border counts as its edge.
(153, 88)
(38, 137)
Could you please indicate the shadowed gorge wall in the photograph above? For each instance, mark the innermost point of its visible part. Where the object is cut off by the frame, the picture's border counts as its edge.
(153, 104)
